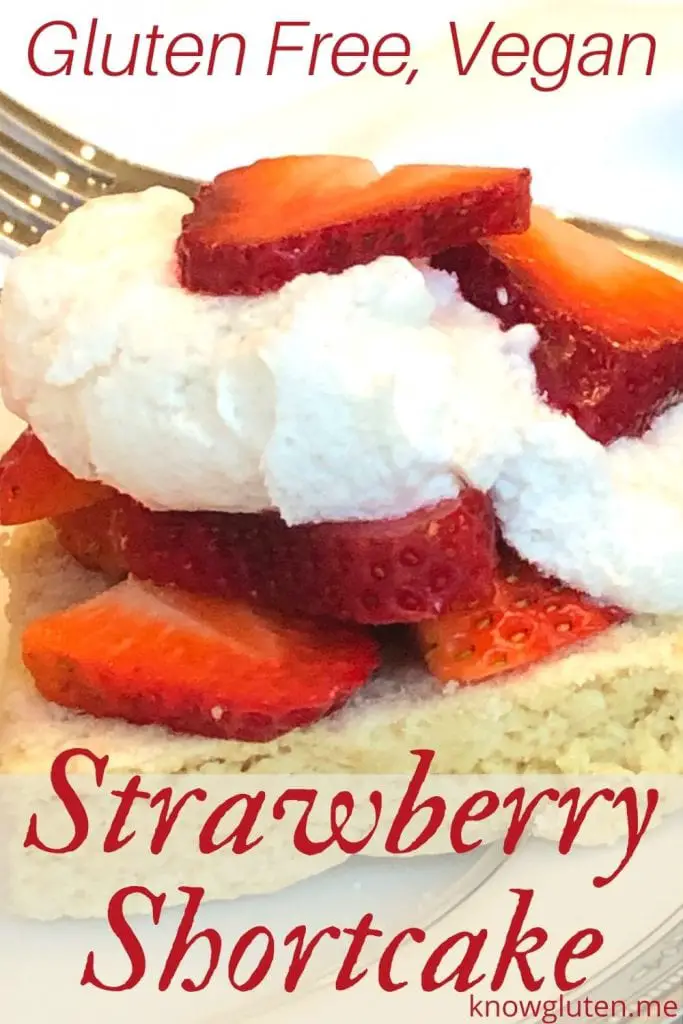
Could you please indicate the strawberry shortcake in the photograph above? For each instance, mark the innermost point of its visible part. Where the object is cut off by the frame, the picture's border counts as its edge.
(330, 465)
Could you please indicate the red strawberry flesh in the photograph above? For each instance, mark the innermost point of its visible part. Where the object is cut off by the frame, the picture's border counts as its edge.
(195, 664)
(611, 328)
(88, 535)
(257, 227)
(388, 571)
(34, 486)
(530, 617)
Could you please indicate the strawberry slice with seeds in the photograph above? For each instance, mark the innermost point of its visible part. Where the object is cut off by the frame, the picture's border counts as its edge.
(255, 228)
(611, 328)
(530, 617)
(34, 486)
(195, 664)
(399, 570)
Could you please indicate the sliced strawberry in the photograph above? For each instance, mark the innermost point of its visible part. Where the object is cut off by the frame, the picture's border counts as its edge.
(530, 617)
(257, 227)
(34, 486)
(611, 327)
(88, 535)
(400, 570)
(195, 664)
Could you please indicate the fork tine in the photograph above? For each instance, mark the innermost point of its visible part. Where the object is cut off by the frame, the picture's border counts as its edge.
(19, 203)
(62, 149)
(15, 234)
(69, 153)
(45, 172)
(42, 177)
(9, 246)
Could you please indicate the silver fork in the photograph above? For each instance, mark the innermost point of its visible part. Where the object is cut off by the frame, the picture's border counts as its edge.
(46, 172)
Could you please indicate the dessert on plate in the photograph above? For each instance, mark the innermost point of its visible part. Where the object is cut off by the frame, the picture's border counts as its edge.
(326, 465)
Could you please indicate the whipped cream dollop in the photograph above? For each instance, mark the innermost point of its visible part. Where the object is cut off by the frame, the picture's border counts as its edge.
(606, 519)
(366, 394)
(362, 395)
